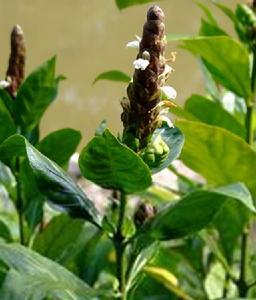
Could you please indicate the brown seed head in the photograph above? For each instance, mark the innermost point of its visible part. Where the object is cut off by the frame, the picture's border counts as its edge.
(16, 69)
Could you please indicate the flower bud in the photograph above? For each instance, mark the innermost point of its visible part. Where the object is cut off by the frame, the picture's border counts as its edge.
(144, 212)
(16, 69)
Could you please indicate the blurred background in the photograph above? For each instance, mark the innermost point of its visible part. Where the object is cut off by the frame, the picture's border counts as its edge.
(89, 37)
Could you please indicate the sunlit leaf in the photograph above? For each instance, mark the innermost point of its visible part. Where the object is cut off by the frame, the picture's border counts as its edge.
(35, 94)
(212, 113)
(218, 155)
(113, 75)
(121, 4)
(113, 165)
(226, 59)
(60, 145)
(195, 211)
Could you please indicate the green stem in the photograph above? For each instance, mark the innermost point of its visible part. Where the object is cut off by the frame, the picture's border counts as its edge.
(120, 245)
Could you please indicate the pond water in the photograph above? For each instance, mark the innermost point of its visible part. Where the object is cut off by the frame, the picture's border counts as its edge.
(88, 37)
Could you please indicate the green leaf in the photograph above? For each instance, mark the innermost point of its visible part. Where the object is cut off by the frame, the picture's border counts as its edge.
(218, 155)
(62, 248)
(195, 211)
(208, 29)
(6, 99)
(7, 126)
(121, 4)
(60, 145)
(52, 181)
(113, 75)
(226, 10)
(33, 200)
(33, 276)
(226, 59)
(8, 180)
(174, 139)
(211, 18)
(172, 37)
(113, 165)
(139, 262)
(35, 94)
(5, 232)
(212, 113)
(231, 213)
(167, 279)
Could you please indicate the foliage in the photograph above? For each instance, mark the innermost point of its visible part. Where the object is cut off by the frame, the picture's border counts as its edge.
(186, 243)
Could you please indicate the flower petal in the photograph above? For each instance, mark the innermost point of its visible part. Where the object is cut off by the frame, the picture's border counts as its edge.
(141, 64)
(4, 84)
(133, 44)
(169, 92)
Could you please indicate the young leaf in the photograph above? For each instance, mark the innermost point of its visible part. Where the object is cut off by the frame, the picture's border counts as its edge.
(195, 211)
(53, 182)
(7, 126)
(232, 70)
(5, 232)
(35, 95)
(113, 165)
(208, 29)
(174, 139)
(211, 18)
(6, 99)
(36, 277)
(113, 75)
(121, 4)
(216, 154)
(212, 113)
(60, 145)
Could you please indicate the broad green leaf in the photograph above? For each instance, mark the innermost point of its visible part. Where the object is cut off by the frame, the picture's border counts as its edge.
(113, 165)
(35, 94)
(195, 211)
(233, 70)
(212, 113)
(121, 4)
(113, 75)
(7, 126)
(33, 276)
(218, 155)
(52, 181)
(174, 139)
(62, 248)
(60, 145)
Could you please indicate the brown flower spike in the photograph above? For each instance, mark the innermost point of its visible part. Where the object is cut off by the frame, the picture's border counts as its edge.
(142, 108)
(16, 69)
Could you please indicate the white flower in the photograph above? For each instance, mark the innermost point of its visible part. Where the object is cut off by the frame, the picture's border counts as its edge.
(4, 84)
(141, 64)
(169, 92)
(167, 120)
(134, 44)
